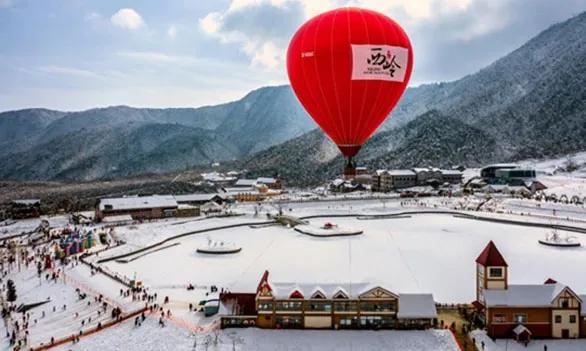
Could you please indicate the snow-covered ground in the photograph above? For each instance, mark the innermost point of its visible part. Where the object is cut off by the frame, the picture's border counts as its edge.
(425, 253)
(534, 345)
(65, 313)
(150, 336)
(28, 225)
(137, 236)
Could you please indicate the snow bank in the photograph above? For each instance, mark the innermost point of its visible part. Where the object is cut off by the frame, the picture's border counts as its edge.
(151, 337)
(326, 232)
(534, 345)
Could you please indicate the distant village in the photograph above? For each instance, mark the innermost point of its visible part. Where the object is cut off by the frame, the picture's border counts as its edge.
(231, 187)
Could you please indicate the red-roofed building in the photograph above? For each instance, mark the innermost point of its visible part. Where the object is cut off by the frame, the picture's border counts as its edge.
(491, 271)
(491, 256)
(548, 310)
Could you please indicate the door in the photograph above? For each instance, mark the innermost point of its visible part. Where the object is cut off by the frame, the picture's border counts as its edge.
(565, 333)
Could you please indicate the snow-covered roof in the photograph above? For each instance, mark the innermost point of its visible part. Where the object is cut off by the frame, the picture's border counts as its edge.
(265, 180)
(501, 165)
(401, 172)
(217, 177)
(583, 311)
(138, 202)
(27, 201)
(338, 182)
(352, 290)
(210, 205)
(245, 182)
(416, 306)
(419, 170)
(451, 172)
(523, 295)
(242, 189)
(477, 181)
(196, 197)
(520, 329)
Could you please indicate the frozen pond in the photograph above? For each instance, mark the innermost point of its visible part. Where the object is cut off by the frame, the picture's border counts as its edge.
(424, 253)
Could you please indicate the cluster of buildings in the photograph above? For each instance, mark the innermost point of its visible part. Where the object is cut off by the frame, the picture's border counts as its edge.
(384, 180)
(548, 310)
(326, 306)
(387, 180)
(522, 312)
(129, 208)
(254, 190)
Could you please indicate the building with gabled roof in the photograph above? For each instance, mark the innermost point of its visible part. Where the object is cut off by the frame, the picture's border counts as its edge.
(524, 311)
(138, 207)
(25, 208)
(333, 306)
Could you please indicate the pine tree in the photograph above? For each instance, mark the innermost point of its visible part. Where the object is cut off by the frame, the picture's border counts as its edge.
(11, 293)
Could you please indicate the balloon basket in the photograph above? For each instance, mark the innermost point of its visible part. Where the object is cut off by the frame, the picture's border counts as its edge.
(349, 169)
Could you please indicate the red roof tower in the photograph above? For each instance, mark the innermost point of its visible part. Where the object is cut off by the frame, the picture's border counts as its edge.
(491, 256)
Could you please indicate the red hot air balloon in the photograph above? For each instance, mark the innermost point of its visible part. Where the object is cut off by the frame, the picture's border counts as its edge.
(349, 67)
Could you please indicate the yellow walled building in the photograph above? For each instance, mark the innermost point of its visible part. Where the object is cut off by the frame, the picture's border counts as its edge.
(334, 306)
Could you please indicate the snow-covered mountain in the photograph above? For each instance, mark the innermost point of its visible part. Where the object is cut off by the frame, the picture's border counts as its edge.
(38, 144)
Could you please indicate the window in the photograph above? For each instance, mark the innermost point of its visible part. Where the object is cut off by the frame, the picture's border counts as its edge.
(572, 319)
(377, 322)
(558, 319)
(565, 303)
(345, 306)
(288, 305)
(318, 306)
(386, 306)
(265, 306)
(495, 272)
(499, 318)
(520, 318)
(289, 322)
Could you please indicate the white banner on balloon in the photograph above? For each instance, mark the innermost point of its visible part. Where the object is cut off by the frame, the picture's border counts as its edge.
(379, 62)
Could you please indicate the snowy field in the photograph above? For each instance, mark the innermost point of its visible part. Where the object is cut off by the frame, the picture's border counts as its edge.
(420, 253)
(534, 345)
(64, 313)
(150, 336)
(425, 253)
(9, 228)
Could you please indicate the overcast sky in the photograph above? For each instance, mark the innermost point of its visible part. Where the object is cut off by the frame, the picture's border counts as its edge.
(78, 54)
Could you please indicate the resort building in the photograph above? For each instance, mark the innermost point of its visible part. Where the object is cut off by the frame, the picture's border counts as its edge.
(271, 183)
(138, 207)
(388, 180)
(510, 174)
(328, 306)
(25, 208)
(548, 310)
(488, 173)
(199, 199)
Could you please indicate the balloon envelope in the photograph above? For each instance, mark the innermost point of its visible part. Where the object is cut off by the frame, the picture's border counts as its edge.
(349, 67)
